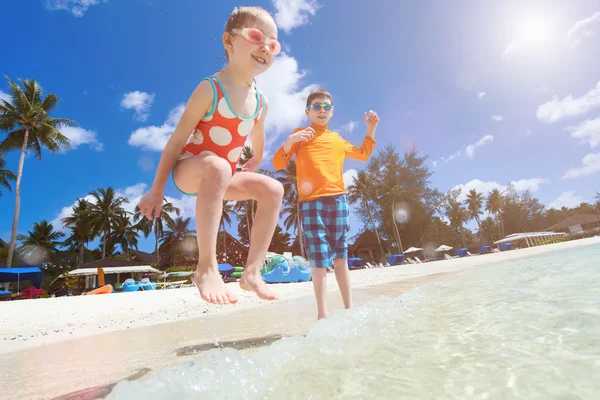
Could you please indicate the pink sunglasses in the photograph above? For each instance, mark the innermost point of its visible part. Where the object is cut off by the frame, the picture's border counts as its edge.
(256, 36)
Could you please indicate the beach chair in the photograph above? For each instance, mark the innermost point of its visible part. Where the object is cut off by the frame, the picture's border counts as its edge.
(146, 284)
(417, 259)
(129, 285)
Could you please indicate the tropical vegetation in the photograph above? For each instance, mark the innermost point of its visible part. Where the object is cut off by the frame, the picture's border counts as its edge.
(392, 197)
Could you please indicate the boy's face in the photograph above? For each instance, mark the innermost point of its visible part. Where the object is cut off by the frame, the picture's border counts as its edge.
(320, 111)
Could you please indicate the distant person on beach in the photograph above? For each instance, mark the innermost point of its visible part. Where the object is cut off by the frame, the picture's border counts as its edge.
(324, 209)
(221, 112)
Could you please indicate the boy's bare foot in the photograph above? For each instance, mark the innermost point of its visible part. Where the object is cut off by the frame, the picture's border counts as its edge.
(212, 288)
(253, 282)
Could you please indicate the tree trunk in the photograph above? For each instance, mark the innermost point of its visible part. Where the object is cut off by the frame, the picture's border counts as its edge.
(80, 257)
(104, 238)
(248, 223)
(156, 239)
(13, 236)
(396, 226)
(376, 231)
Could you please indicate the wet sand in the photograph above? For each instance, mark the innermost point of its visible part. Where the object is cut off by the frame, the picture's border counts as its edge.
(57, 369)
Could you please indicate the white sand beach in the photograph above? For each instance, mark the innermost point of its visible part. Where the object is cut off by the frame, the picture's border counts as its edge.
(94, 342)
(30, 323)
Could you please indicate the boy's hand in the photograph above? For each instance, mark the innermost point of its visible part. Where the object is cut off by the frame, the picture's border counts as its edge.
(251, 165)
(302, 136)
(151, 205)
(371, 119)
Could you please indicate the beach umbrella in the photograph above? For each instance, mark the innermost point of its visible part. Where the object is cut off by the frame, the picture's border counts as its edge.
(100, 276)
(443, 248)
(412, 250)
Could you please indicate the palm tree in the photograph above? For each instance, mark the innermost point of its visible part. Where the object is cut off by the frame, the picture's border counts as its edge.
(474, 203)
(228, 211)
(158, 224)
(178, 234)
(41, 243)
(290, 199)
(361, 191)
(5, 175)
(106, 213)
(125, 235)
(27, 119)
(597, 201)
(457, 215)
(494, 205)
(81, 228)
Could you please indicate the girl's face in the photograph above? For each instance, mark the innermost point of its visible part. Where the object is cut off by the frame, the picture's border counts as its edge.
(253, 47)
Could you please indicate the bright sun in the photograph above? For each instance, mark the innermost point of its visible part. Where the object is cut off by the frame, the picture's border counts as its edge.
(537, 30)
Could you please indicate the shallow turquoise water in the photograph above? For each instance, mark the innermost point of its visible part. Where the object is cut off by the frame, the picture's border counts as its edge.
(524, 329)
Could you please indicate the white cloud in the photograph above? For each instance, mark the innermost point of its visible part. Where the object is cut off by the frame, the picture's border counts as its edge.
(532, 184)
(155, 137)
(443, 160)
(287, 99)
(480, 95)
(582, 29)
(496, 118)
(587, 132)
(481, 186)
(557, 109)
(146, 163)
(187, 204)
(566, 199)
(349, 177)
(349, 127)
(290, 14)
(590, 165)
(470, 150)
(138, 101)
(4, 96)
(79, 136)
(75, 7)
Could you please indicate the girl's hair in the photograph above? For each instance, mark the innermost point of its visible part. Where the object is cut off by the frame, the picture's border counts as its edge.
(241, 17)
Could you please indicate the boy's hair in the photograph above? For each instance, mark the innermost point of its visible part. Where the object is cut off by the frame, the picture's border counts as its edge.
(318, 94)
(241, 17)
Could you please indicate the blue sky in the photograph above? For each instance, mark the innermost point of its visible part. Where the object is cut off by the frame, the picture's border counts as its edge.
(492, 93)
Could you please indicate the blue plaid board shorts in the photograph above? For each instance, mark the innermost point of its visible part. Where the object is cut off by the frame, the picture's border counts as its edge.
(325, 225)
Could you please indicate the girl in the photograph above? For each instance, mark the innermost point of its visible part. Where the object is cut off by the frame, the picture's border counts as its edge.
(221, 112)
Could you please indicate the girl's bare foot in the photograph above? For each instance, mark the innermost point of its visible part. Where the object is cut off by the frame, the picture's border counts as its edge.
(253, 282)
(212, 288)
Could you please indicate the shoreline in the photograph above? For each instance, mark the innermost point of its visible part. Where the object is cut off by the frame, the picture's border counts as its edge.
(63, 369)
(100, 360)
(27, 324)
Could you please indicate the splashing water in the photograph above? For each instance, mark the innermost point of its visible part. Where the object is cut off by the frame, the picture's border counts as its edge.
(525, 329)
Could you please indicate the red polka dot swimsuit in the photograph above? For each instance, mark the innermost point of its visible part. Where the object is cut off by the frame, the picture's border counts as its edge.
(221, 132)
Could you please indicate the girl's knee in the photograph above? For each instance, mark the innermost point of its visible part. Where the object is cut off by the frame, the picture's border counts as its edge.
(274, 190)
(269, 190)
(215, 168)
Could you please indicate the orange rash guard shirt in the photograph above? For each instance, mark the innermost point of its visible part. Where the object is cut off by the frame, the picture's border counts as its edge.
(320, 162)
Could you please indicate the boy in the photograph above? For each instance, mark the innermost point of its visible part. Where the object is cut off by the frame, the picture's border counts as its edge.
(323, 204)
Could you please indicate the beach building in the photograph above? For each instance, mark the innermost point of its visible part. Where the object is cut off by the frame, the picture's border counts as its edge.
(529, 239)
(108, 271)
(367, 247)
(578, 225)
